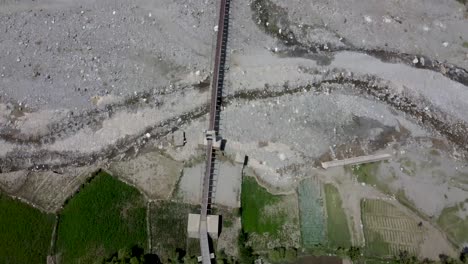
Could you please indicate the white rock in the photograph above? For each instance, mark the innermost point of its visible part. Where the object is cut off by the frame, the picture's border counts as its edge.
(215, 28)
(368, 19)
(426, 28)
(197, 73)
(445, 44)
(267, 24)
(415, 61)
(147, 135)
(150, 15)
(387, 20)
(113, 12)
(363, 183)
(440, 24)
(279, 31)
(276, 49)
(281, 156)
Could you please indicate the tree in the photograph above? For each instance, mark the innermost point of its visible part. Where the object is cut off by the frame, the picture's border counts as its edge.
(177, 256)
(290, 254)
(282, 254)
(246, 255)
(134, 255)
(135, 260)
(124, 253)
(223, 258)
(354, 253)
(464, 255)
(444, 259)
(405, 258)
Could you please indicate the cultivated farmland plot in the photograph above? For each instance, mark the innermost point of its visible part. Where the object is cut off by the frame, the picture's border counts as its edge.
(24, 232)
(454, 221)
(104, 217)
(311, 213)
(169, 228)
(271, 220)
(389, 231)
(337, 225)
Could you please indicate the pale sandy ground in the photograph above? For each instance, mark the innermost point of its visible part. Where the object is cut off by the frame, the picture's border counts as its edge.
(228, 186)
(228, 239)
(429, 179)
(153, 173)
(407, 26)
(46, 190)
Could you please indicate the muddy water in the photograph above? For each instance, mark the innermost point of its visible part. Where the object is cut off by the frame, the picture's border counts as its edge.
(319, 260)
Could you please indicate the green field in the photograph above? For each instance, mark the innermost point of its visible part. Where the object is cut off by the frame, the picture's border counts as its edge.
(366, 173)
(337, 225)
(455, 227)
(254, 200)
(169, 228)
(311, 213)
(269, 220)
(25, 232)
(105, 216)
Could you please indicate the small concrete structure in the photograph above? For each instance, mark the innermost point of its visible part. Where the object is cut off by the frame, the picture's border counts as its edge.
(240, 158)
(355, 161)
(215, 139)
(200, 258)
(179, 139)
(193, 226)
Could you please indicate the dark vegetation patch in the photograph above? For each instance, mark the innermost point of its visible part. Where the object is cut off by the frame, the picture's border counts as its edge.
(169, 237)
(25, 232)
(103, 217)
(254, 199)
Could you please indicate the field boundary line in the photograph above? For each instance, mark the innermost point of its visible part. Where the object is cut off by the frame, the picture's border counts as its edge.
(148, 226)
(54, 236)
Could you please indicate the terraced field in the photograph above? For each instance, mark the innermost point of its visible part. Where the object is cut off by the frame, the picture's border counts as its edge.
(311, 213)
(389, 231)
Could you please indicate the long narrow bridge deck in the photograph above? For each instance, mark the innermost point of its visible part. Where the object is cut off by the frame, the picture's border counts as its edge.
(215, 108)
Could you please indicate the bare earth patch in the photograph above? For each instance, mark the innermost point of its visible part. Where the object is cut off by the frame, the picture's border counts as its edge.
(153, 173)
